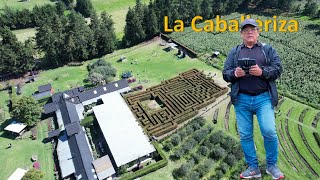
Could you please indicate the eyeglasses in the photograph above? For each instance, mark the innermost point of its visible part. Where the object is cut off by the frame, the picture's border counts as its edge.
(247, 30)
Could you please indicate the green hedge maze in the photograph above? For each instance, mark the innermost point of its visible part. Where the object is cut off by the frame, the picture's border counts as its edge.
(161, 108)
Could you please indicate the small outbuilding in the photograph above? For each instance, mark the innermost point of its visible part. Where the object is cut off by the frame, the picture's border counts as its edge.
(103, 167)
(16, 128)
(17, 174)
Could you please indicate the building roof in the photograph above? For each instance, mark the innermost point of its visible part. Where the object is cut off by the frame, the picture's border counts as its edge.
(50, 107)
(79, 146)
(54, 133)
(41, 95)
(44, 88)
(121, 130)
(17, 174)
(103, 167)
(64, 156)
(73, 128)
(80, 94)
(15, 127)
(104, 89)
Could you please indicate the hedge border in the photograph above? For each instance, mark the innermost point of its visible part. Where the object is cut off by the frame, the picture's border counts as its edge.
(151, 168)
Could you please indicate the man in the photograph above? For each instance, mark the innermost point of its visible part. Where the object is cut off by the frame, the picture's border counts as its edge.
(255, 93)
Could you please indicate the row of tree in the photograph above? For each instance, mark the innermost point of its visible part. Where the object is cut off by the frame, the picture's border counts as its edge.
(144, 21)
(68, 39)
(15, 57)
(25, 18)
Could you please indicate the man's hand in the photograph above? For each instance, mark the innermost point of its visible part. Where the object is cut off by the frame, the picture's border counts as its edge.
(255, 70)
(239, 72)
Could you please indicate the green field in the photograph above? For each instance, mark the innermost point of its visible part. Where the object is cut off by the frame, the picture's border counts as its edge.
(20, 4)
(116, 8)
(19, 156)
(146, 61)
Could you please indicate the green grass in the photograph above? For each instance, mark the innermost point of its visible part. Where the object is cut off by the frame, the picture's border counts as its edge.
(19, 155)
(113, 5)
(24, 34)
(18, 4)
(62, 78)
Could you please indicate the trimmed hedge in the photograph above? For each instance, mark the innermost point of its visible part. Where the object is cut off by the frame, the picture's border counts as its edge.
(148, 169)
(317, 137)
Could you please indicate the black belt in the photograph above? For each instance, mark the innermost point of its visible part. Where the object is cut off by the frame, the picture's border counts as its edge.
(252, 94)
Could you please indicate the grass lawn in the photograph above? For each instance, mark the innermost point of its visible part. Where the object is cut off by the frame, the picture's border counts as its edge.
(149, 70)
(19, 155)
(61, 79)
(20, 4)
(24, 34)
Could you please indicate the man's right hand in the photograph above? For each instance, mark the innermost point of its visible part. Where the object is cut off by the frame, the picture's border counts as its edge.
(239, 72)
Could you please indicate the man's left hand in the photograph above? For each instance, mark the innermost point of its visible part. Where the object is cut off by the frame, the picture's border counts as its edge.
(255, 70)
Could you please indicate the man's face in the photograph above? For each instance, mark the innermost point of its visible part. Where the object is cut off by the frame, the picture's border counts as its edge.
(249, 34)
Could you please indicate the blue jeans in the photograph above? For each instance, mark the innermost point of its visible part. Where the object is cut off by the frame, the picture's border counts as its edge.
(245, 107)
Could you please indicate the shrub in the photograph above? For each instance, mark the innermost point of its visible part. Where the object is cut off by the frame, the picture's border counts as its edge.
(194, 175)
(195, 126)
(204, 150)
(177, 154)
(189, 145)
(231, 160)
(182, 133)
(168, 146)
(201, 134)
(87, 121)
(224, 167)
(183, 169)
(123, 169)
(33, 174)
(317, 137)
(237, 152)
(197, 158)
(218, 153)
(175, 139)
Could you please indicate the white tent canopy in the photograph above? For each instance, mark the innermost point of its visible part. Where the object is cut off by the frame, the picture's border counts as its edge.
(17, 174)
(121, 130)
(15, 127)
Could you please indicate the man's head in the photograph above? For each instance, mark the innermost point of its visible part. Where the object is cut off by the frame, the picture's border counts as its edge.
(249, 31)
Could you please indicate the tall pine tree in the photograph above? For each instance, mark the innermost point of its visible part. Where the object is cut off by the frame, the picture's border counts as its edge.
(133, 31)
(84, 7)
(107, 37)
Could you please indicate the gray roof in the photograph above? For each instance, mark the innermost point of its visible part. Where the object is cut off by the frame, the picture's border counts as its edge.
(54, 133)
(50, 107)
(78, 144)
(65, 157)
(73, 128)
(104, 89)
(41, 95)
(103, 167)
(44, 88)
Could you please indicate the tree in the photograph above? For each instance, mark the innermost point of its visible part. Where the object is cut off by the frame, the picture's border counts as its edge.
(133, 31)
(310, 8)
(175, 139)
(204, 150)
(106, 42)
(183, 169)
(101, 71)
(33, 174)
(206, 9)
(96, 78)
(61, 7)
(84, 7)
(15, 56)
(151, 21)
(27, 110)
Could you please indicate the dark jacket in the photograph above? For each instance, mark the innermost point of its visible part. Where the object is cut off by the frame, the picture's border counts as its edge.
(270, 72)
